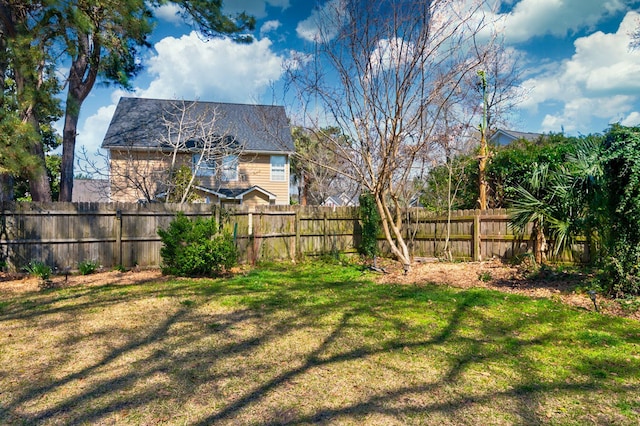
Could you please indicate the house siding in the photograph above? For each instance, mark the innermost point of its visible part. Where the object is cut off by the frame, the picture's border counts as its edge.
(127, 166)
(253, 170)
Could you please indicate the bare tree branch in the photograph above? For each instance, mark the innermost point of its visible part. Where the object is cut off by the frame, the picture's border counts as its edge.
(384, 74)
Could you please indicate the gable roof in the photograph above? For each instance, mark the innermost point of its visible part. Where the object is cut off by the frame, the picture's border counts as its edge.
(138, 123)
(235, 193)
(341, 199)
(503, 137)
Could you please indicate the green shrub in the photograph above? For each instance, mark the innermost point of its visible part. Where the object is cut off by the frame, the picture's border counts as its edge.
(621, 272)
(370, 225)
(620, 275)
(37, 268)
(196, 248)
(87, 267)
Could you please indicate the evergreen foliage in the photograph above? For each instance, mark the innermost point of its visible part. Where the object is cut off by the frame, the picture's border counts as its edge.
(180, 183)
(621, 274)
(196, 248)
(434, 194)
(88, 41)
(370, 225)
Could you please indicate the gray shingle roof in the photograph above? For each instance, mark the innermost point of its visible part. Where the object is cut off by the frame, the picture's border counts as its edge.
(532, 137)
(236, 193)
(138, 122)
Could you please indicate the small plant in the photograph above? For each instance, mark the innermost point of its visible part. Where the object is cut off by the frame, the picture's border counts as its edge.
(485, 276)
(336, 257)
(87, 267)
(37, 268)
(120, 268)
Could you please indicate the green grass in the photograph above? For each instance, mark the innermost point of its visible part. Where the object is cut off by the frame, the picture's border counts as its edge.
(307, 344)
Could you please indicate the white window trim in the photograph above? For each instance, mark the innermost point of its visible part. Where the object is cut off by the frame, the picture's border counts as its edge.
(226, 161)
(279, 169)
(206, 168)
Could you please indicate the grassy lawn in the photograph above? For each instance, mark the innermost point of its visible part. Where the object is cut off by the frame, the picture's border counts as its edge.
(310, 344)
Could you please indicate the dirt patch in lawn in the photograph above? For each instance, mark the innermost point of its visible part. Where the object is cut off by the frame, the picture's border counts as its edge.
(569, 288)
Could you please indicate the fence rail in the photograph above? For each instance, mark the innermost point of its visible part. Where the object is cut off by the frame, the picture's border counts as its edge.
(112, 234)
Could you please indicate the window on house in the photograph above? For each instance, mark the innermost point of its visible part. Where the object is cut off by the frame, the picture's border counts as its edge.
(278, 168)
(206, 167)
(230, 168)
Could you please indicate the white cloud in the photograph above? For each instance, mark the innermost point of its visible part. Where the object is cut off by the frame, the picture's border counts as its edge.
(269, 26)
(218, 69)
(632, 119)
(92, 131)
(324, 22)
(598, 81)
(531, 18)
(578, 113)
(256, 8)
(170, 13)
(390, 54)
(94, 128)
(191, 68)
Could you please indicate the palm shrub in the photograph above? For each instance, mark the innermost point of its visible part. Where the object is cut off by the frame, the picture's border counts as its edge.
(530, 205)
(563, 199)
(196, 248)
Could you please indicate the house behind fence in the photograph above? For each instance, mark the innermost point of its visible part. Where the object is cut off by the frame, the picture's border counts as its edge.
(125, 234)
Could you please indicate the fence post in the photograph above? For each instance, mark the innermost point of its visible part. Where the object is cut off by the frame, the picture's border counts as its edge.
(297, 248)
(324, 233)
(119, 238)
(477, 256)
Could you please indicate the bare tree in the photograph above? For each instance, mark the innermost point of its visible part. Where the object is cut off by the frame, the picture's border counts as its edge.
(488, 98)
(195, 131)
(192, 138)
(383, 73)
(315, 181)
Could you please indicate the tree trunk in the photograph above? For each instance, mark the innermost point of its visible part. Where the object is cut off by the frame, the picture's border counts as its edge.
(82, 77)
(39, 186)
(68, 148)
(393, 235)
(6, 180)
(6, 187)
(38, 179)
(304, 194)
(539, 243)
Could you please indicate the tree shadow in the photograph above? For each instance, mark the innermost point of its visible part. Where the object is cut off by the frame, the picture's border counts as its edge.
(196, 350)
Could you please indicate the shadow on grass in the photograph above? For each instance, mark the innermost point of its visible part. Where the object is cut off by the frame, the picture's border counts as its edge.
(228, 349)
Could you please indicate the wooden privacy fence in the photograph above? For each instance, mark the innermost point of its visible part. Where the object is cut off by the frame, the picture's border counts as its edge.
(113, 234)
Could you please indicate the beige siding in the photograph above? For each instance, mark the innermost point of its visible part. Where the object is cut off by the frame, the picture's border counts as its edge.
(257, 170)
(256, 198)
(253, 170)
(134, 173)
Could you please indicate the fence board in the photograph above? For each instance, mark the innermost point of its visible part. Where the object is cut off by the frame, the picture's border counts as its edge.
(63, 234)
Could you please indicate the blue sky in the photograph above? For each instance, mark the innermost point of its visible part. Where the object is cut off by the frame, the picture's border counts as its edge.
(579, 74)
